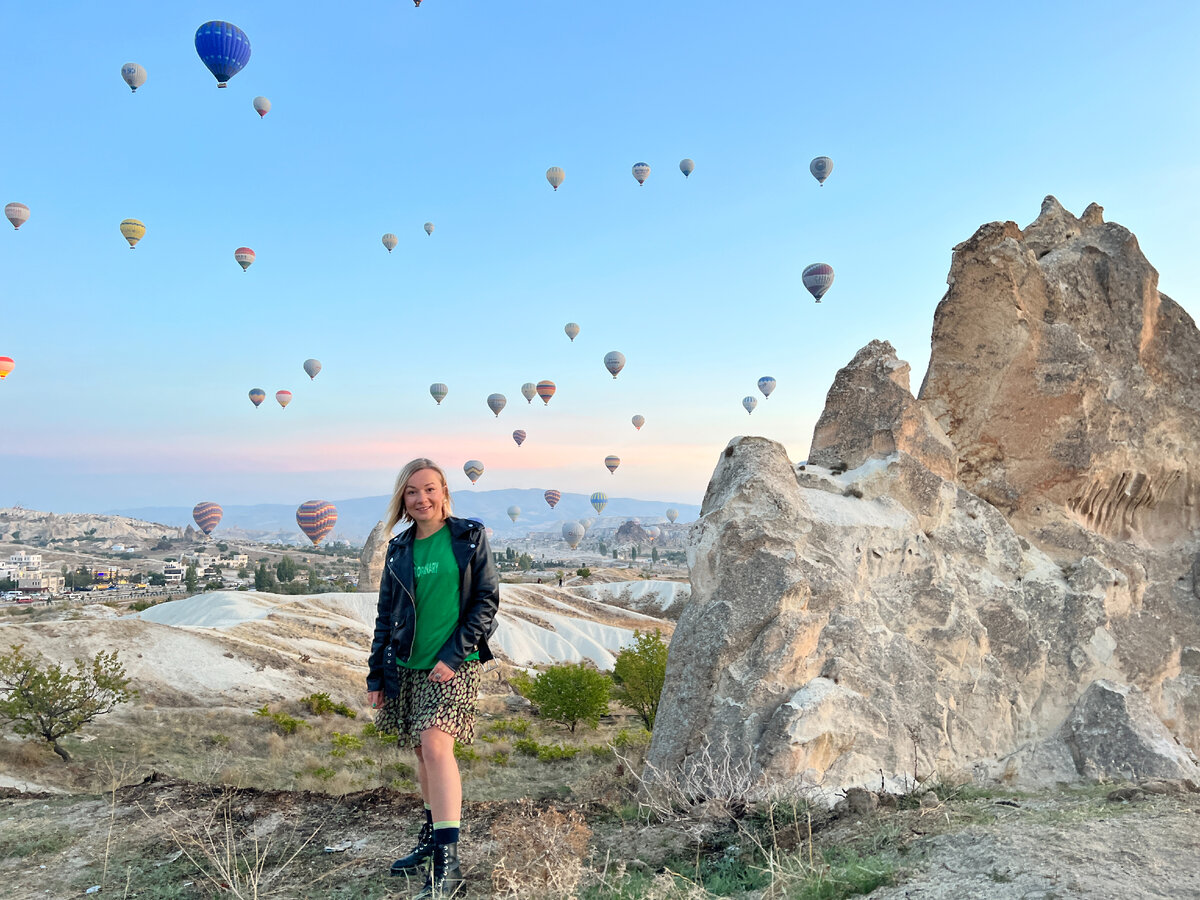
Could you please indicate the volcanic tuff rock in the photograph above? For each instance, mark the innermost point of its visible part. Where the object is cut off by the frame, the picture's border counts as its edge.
(996, 579)
(34, 525)
(374, 555)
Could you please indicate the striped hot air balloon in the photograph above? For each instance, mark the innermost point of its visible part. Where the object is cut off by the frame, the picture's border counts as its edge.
(552, 498)
(496, 402)
(257, 396)
(529, 391)
(519, 436)
(438, 392)
(599, 500)
(638, 422)
(133, 231)
(749, 402)
(572, 331)
(223, 48)
(283, 398)
(545, 390)
(817, 278)
(766, 384)
(473, 468)
(17, 214)
(207, 516)
(244, 257)
(6, 366)
(573, 533)
(611, 462)
(316, 519)
(390, 241)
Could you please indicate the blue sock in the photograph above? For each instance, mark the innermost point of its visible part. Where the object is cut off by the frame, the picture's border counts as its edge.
(445, 833)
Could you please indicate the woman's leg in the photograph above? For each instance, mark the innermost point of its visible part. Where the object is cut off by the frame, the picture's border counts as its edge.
(437, 771)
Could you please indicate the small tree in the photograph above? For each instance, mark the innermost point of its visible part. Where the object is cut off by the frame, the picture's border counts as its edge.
(41, 699)
(264, 578)
(584, 572)
(614, 552)
(525, 562)
(569, 693)
(191, 579)
(639, 673)
(633, 553)
(286, 569)
(157, 579)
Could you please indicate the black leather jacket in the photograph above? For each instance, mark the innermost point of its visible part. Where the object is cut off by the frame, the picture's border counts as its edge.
(479, 598)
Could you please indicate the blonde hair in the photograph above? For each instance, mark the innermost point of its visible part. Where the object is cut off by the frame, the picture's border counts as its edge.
(396, 511)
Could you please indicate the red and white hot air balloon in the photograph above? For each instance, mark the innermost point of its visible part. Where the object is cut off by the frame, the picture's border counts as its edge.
(244, 257)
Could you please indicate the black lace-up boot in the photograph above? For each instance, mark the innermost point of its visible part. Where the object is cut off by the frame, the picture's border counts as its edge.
(419, 854)
(445, 877)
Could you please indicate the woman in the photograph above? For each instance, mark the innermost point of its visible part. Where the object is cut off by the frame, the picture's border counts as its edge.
(437, 607)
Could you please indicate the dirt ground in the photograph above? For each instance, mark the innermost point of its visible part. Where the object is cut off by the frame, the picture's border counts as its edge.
(168, 838)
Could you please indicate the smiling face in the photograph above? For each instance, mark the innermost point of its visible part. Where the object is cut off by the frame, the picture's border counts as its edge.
(425, 501)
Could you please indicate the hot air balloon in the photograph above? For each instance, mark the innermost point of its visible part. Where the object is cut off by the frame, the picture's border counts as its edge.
(529, 391)
(572, 331)
(749, 403)
(687, 167)
(6, 366)
(312, 367)
(257, 396)
(133, 231)
(316, 519)
(599, 501)
(244, 257)
(766, 384)
(416, 3)
(514, 512)
(573, 533)
(390, 241)
(473, 468)
(817, 278)
(283, 398)
(519, 437)
(588, 522)
(134, 75)
(552, 498)
(653, 532)
(545, 390)
(496, 402)
(672, 514)
(262, 106)
(820, 168)
(614, 361)
(641, 172)
(555, 176)
(429, 228)
(207, 516)
(611, 462)
(17, 213)
(438, 391)
(638, 422)
(224, 48)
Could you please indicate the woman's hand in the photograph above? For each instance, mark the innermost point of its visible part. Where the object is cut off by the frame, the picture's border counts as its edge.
(441, 672)
(375, 698)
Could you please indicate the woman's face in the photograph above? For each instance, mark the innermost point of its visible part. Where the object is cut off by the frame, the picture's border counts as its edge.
(425, 498)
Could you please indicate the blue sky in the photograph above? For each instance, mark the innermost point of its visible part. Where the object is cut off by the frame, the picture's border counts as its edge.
(133, 367)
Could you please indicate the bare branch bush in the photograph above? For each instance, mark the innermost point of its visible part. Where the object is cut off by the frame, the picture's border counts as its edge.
(542, 853)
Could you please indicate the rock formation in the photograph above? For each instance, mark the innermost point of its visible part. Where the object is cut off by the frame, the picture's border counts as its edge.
(996, 579)
(374, 554)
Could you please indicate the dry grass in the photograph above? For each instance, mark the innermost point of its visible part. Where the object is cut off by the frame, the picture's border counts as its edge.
(542, 853)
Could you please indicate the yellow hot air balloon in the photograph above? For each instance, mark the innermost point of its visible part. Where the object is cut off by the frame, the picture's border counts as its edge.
(133, 231)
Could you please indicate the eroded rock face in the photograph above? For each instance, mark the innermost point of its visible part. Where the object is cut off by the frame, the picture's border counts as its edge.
(997, 579)
(1067, 382)
(370, 564)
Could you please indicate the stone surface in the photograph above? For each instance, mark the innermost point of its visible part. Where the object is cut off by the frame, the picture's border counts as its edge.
(946, 580)
(370, 563)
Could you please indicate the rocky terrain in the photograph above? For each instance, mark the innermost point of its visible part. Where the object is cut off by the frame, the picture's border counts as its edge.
(993, 579)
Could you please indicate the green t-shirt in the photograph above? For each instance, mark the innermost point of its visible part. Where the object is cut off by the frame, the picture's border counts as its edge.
(437, 582)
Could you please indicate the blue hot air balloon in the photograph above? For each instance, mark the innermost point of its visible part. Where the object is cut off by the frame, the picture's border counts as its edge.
(224, 48)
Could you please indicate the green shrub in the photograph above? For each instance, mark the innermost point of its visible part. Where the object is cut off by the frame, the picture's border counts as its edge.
(465, 752)
(639, 673)
(322, 705)
(568, 693)
(584, 572)
(283, 723)
(344, 743)
(543, 752)
(627, 738)
(499, 758)
(509, 726)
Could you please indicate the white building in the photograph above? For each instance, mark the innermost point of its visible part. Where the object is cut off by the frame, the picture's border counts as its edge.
(28, 561)
(48, 582)
(173, 572)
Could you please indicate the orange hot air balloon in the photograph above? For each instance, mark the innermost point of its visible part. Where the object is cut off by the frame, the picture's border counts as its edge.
(552, 497)
(207, 515)
(316, 519)
(284, 398)
(6, 366)
(545, 390)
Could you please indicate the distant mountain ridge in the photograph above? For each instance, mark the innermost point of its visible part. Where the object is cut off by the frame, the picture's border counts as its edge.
(357, 516)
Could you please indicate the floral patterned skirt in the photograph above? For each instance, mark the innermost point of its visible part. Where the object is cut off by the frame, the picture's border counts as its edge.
(449, 706)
